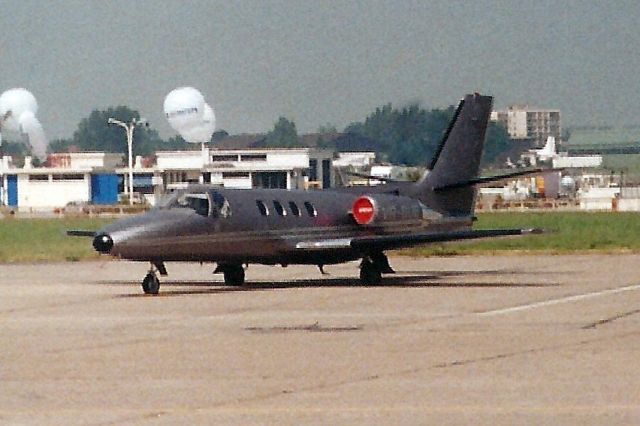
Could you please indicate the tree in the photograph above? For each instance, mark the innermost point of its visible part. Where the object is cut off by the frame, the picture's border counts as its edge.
(17, 150)
(283, 135)
(497, 142)
(326, 133)
(177, 143)
(219, 135)
(95, 134)
(408, 136)
(61, 145)
(411, 135)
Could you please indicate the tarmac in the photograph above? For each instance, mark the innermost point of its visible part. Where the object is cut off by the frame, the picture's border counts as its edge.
(461, 340)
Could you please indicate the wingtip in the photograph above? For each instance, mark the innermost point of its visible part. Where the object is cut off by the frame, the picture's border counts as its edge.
(80, 233)
(534, 231)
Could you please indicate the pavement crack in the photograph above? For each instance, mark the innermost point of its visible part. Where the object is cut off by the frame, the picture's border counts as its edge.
(415, 370)
(315, 327)
(595, 324)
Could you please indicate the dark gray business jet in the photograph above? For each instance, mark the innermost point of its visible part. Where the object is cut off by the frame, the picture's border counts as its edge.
(234, 227)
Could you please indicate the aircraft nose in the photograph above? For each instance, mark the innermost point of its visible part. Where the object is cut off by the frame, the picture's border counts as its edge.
(103, 243)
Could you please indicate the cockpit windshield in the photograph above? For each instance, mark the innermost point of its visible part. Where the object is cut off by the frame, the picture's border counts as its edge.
(203, 203)
(197, 201)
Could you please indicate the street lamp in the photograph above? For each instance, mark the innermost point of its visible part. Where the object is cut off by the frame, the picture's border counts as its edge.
(128, 127)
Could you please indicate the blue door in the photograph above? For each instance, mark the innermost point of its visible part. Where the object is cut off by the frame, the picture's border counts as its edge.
(12, 190)
(104, 188)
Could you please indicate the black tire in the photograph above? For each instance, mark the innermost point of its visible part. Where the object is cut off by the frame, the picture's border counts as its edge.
(234, 275)
(151, 284)
(369, 274)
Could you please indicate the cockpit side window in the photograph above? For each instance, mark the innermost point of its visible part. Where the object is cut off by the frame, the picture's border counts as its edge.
(294, 209)
(264, 211)
(311, 210)
(220, 207)
(279, 208)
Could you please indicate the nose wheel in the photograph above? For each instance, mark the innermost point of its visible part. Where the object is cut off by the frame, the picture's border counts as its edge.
(151, 283)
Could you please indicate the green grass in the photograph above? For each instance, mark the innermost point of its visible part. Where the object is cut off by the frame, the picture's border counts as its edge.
(39, 240)
(568, 232)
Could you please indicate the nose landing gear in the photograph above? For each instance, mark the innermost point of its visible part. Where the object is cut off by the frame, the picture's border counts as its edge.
(151, 283)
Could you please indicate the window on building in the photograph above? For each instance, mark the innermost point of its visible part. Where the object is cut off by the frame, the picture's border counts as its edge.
(264, 211)
(269, 180)
(68, 176)
(235, 175)
(326, 174)
(224, 158)
(39, 178)
(294, 209)
(311, 210)
(279, 209)
(253, 157)
(313, 170)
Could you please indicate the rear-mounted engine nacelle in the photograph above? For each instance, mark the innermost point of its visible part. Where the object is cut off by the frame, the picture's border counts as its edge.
(381, 209)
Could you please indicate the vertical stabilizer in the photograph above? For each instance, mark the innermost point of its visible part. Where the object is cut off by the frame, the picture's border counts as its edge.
(457, 159)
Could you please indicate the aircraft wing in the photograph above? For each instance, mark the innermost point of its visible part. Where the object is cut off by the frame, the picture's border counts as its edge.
(389, 242)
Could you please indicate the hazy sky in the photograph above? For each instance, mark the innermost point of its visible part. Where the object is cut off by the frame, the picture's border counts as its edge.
(320, 62)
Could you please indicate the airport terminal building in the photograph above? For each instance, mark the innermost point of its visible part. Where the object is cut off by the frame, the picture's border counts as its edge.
(102, 178)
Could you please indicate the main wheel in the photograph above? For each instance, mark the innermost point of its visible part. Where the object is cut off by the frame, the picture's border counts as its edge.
(234, 275)
(151, 284)
(369, 274)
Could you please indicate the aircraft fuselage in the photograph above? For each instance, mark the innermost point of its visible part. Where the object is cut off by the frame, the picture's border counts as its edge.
(267, 226)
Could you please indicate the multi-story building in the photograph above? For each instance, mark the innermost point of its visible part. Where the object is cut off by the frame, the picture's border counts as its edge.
(526, 123)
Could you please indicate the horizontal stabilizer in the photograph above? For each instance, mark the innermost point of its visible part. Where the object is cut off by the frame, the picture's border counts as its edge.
(80, 233)
(490, 179)
(371, 177)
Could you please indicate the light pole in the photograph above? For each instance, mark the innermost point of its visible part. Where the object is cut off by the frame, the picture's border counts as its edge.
(128, 127)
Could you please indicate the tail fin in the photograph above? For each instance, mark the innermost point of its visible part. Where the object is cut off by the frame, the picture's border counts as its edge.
(457, 159)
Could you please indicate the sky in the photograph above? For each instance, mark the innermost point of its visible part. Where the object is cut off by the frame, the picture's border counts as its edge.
(321, 62)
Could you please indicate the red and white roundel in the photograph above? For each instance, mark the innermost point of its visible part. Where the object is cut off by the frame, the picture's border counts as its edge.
(363, 210)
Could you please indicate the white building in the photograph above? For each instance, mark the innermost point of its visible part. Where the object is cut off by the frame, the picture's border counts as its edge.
(100, 178)
(295, 168)
(357, 160)
(525, 122)
(72, 178)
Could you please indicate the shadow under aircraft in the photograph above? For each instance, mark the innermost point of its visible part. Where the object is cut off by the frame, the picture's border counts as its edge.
(236, 227)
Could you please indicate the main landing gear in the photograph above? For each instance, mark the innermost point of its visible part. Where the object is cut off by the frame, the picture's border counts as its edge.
(372, 268)
(151, 283)
(233, 274)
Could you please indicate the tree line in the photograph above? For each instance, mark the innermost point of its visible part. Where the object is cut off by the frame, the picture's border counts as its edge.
(408, 135)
